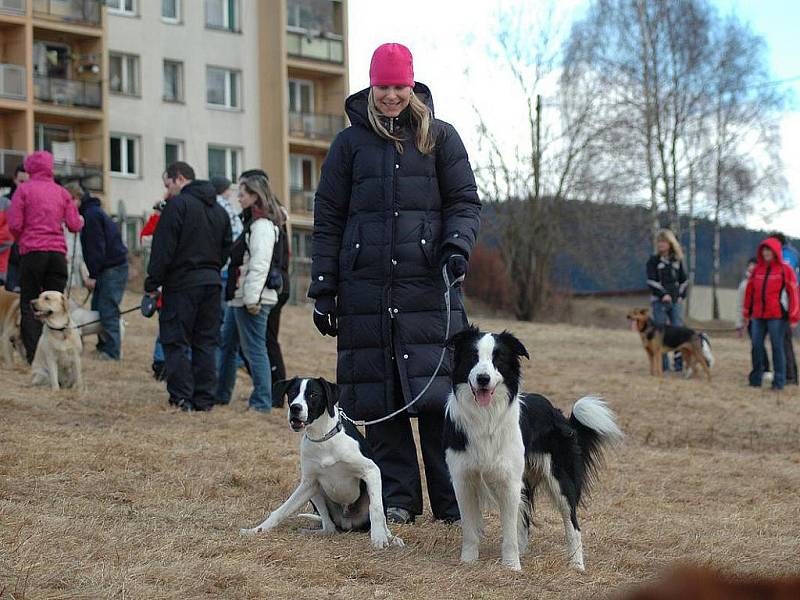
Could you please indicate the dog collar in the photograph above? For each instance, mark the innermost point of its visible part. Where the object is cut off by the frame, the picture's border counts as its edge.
(328, 435)
(64, 328)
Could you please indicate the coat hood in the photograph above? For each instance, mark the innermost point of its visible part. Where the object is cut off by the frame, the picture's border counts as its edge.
(356, 105)
(87, 201)
(774, 245)
(202, 190)
(39, 165)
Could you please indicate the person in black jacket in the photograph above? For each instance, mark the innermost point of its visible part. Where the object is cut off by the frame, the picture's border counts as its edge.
(106, 259)
(396, 203)
(668, 285)
(190, 246)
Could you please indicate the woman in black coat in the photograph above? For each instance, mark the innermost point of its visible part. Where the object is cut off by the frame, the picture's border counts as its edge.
(397, 202)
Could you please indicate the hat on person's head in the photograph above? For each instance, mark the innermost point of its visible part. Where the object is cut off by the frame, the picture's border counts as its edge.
(220, 183)
(392, 64)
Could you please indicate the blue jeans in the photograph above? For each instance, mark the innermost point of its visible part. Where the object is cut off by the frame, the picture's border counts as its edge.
(158, 351)
(249, 331)
(669, 313)
(759, 330)
(108, 292)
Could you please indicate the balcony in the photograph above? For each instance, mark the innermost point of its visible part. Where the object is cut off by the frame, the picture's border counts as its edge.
(301, 202)
(79, 12)
(313, 126)
(328, 47)
(9, 160)
(68, 92)
(12, 7)
(89, 175)
(12, 82)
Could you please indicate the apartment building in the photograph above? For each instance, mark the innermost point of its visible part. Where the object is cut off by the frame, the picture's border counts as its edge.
(53, 94)
(225, 85)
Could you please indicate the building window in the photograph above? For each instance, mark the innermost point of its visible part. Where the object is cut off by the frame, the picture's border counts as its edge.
(223, 87)
(173, 152)
(124, 154)
(301, 96)
(123, 72)
(173, 81)
(301, 245)
(171, 11)
(301, 172)
(222, 14)
(224, 161)
(122, 7)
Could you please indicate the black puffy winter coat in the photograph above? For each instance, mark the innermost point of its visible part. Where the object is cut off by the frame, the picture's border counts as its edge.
(383, 223)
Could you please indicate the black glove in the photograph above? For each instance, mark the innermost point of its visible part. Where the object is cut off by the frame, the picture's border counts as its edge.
(149, 304)
(456, 266)
(325, 316)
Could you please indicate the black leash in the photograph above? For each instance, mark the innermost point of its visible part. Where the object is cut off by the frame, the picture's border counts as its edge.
(124, 312)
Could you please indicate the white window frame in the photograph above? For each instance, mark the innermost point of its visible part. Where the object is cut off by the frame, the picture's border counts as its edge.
(226, 17)
(180, 85)
(229, 86)
(298, 159)
(299, 84)
(181, 149)
(230, 151)
(177, 19)
(137, 152)
(127, 77)
(117, 7)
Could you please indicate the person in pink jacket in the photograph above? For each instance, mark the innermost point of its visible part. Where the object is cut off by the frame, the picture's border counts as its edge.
(38, 210)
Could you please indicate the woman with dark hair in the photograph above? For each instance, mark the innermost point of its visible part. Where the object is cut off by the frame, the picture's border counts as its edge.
(396, 203)
(250, 302)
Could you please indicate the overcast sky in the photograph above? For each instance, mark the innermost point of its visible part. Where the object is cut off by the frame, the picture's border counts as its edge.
(449, 39)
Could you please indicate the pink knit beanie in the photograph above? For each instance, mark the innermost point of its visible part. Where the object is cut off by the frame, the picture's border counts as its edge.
(392, 64)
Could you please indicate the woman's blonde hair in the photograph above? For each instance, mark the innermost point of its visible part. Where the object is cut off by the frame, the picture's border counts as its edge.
(420, 116)
(267, 201)
(666, 235)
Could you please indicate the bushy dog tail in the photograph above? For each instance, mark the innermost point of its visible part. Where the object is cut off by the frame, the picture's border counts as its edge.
(597, 430)
(705, 344)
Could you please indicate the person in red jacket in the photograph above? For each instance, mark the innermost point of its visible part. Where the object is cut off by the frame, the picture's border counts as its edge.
(771, 303)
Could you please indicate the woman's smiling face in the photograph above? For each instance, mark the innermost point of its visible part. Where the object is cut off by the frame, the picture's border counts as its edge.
(391, 100)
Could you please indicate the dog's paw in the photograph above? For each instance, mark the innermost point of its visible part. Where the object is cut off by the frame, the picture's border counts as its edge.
(512, 564)
(379, 540)
(578, 566)
(469, 555)
(250, 532)
(398, 541)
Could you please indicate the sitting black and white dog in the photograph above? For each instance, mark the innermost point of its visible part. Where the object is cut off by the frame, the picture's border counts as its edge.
(337, 474)
(501, 444)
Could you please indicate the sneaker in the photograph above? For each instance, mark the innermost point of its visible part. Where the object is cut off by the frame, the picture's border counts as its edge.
(399, 516)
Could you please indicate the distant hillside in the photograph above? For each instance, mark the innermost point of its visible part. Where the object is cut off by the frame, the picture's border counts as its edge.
(605, 247)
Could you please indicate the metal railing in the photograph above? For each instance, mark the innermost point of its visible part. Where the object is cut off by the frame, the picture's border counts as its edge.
(89, 175)
(301, 201)
(315, 126)
(84, 12)
(68, 92)
(12, 81)
(12, 7)
(9, 160)
(325, 48)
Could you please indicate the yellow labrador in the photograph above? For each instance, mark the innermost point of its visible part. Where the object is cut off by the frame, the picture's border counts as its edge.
(58, 354)
(10, 336)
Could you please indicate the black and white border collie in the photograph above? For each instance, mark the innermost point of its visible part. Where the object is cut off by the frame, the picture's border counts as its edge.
(337, 474)
(500, 444)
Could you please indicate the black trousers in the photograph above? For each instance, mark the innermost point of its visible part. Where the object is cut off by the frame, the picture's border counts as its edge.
(189, 331)
(395, 453)
(39, 272)
(273, 346)
(791, 361)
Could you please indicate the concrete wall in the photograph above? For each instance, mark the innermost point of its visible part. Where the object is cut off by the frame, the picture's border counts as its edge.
(701, 303)
(155, 120)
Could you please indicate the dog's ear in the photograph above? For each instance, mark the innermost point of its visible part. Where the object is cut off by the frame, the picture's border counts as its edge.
(65, 304)
(331, 392)
(280, 388)
(512, 342)
(461, 336)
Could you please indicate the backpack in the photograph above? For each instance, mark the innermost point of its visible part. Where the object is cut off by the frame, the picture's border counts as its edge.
(276, 280)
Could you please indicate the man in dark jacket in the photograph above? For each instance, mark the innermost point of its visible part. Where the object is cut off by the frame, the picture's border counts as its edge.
(190, 246)
(106, 259)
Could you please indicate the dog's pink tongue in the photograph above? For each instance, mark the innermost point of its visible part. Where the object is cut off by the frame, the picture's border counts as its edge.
(484, 397)
(634, 326)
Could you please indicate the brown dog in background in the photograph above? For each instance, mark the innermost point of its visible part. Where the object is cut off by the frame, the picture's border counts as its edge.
(658, 340)
(705, 584)
(10, 334)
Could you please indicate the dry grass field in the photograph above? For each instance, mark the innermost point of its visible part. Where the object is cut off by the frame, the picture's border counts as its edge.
(113, 494)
